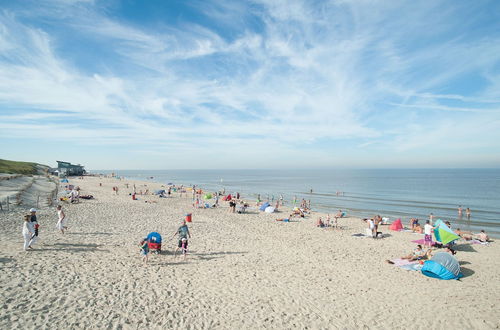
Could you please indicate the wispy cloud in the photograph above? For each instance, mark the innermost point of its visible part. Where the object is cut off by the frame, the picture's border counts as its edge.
(296, 77)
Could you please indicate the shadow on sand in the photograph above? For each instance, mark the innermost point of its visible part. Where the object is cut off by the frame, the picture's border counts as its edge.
(464, 248)
(466, 272)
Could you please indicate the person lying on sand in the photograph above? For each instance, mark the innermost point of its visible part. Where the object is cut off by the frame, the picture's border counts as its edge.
(483, 237)
(464, 234)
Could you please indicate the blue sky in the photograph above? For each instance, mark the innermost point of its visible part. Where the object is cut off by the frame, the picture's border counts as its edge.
(251, 84)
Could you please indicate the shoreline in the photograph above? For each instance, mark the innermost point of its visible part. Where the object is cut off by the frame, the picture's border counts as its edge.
(461, 222)
(243, 271)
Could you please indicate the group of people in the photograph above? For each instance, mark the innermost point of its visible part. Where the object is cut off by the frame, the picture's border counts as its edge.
(327, 222)
(31, 227)
(183, 234)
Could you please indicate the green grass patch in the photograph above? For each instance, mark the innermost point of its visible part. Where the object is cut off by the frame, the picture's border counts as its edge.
(13, 167)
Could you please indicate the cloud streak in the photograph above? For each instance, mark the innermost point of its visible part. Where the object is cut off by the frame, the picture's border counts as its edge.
(297, 78)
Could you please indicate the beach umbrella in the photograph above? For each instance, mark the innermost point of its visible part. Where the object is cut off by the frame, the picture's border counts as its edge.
(444, 234)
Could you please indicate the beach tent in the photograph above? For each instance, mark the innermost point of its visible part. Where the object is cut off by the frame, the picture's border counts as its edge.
(443, 266)
(64, 180)
(269, 209)
(207, 196)
(263, 206)
(396, 225)
(159, 192)
(154, 237)
(444, 234)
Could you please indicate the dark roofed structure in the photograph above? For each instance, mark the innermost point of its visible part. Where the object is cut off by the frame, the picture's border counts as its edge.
(68, 169)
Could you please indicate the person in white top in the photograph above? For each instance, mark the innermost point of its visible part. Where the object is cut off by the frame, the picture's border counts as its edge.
(61, 219)
(28, 232)
(428, 233)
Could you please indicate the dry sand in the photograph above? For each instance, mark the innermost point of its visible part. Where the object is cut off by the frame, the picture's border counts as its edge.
(244, 271)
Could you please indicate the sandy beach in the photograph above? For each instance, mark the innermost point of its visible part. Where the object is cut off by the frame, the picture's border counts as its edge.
(243, 271)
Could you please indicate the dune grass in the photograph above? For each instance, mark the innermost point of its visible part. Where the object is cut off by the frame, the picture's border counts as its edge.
(13, 167)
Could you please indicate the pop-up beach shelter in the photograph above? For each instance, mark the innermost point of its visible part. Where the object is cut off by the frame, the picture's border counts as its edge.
(396, 225)
(207, 196)
(443, 266)
(64, 180)
(444, 234)
(263, 206)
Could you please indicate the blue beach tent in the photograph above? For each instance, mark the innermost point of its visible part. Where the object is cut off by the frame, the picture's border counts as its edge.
(154, 237)
(443, 266)
(263, 206)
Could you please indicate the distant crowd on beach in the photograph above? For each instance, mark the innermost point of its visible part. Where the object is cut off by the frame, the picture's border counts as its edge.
(300, 209)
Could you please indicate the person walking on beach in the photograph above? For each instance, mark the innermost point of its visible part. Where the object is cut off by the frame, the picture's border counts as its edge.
(35, 226)
(61, 219)
(183, 232)
(28, 232)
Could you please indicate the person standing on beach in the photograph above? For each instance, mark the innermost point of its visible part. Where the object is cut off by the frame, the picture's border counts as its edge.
(294, 200)
(467, 213)
(144, 250)
(183, 232)
(35, 226)
(28, 232)
(428, 233)
(61, 219)
(431, 218)
(460, 211)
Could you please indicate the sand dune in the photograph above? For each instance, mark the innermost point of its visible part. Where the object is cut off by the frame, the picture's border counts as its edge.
(244, 271)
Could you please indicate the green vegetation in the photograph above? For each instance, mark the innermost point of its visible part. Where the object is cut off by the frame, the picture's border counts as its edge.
(26, 168)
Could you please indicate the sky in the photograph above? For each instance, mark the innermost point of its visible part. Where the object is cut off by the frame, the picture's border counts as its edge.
(271, 84)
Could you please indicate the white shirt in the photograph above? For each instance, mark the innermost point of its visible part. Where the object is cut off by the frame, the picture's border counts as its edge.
(27, 228)
(428, 229)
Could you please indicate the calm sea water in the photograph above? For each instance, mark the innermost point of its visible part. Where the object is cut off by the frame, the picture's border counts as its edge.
(394, 193)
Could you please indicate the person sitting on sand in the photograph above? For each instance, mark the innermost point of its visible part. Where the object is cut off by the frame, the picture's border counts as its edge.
(320, 223)
(413, 223)
(183, 232)
(483, 237)
(417, 254)
(418, 229)
(339, 214)
(465, 235)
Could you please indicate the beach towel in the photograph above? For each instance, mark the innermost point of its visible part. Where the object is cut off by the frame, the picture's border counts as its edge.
(475, 241)
(421, 241)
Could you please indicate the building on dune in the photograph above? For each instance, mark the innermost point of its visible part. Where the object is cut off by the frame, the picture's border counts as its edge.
(68, 169)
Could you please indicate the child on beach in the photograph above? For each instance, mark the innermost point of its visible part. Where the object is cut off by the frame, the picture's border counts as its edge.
(183, 232)
(144, 250)
(28, 232)
(35, 225)
(61, 219)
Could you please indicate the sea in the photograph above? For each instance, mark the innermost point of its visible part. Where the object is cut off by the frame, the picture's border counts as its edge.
(393, 193)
